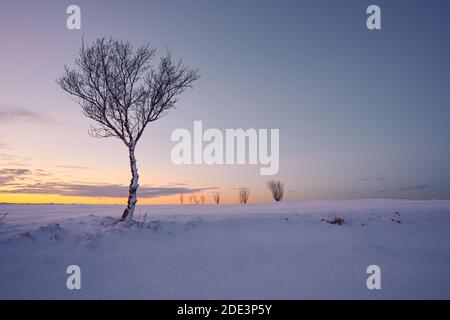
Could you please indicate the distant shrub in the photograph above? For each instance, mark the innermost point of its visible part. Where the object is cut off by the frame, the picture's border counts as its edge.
(277, 189)
(195, 199)
(216, 197)
(243, 195)
(336, 220)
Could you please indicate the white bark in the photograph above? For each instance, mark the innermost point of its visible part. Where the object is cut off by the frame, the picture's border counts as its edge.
(134, 185)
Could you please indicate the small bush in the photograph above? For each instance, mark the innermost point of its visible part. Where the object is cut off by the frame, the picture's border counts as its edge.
(277, 189)
(216, 197)
(243, 195)
(336, 220)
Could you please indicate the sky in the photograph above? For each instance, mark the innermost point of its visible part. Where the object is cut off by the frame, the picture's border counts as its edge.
(361, 113)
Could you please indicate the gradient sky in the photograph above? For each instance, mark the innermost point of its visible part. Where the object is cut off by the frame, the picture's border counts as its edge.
(362, 114)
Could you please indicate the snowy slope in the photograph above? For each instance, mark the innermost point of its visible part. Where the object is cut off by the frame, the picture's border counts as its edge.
(273, 251)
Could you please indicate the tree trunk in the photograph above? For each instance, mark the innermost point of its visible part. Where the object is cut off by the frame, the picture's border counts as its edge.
(127, 216)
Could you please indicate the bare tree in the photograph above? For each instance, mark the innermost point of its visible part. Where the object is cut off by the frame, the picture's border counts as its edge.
(203, 198)
(277, 189)
(243, 195)
(195, 199)
(181, 198)
(191, 198)
(216, 197)
(119, 89)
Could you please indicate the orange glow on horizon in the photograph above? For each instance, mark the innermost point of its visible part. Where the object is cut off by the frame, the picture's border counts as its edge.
(226, 198)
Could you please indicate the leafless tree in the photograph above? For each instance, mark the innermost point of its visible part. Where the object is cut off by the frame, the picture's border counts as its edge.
(122, 92)
(181, 198)
(277, 189)
(216, 197)
(243, 195)
(195, 199)
(191, 198)
(203, 198)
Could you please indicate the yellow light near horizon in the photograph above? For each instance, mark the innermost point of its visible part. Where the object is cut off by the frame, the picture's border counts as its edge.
(227, 198)
(51, 198)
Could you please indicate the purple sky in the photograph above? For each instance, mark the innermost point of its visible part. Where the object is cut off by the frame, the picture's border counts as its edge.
(361, 113)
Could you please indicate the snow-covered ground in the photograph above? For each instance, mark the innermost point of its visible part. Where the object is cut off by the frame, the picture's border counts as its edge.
(274, 251)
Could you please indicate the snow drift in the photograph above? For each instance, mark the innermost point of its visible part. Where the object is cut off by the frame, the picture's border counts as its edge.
(287, 250)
